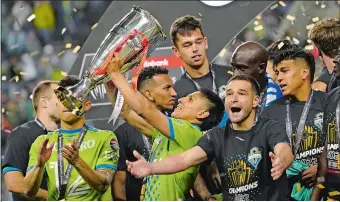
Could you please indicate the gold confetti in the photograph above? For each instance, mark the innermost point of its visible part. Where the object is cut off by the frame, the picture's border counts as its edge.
(31, 96)
(3, 110)
(4, 78)
(309, 41)
(315, 19)
(94, 26)
(16, 79)
(296, 41)
(61, 52)
(23, 73)
(68, 45)
(34, 53)
(230, 72)
(258, 17)
(63, 73)
(282, 3)
(309, 47)
(320, 186)
(74, 9)
(280, 45)
(323, 6)
(334, 193)
(223, 51)
(256, 22)
(298, 187)
(287, 37)
(31, 17)
(290, 17)
(200, 14)
(310, 26)
(317, 2)
(258, 28)
(63, 31)
(274, 6)
(76, 49)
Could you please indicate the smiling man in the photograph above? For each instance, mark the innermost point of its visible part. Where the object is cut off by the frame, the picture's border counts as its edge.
(251, 152)
(301, 112)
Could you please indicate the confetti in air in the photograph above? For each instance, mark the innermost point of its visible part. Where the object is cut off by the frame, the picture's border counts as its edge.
(31, 17)
(310, 26)
(223, 51)
(258, 28)
(287, 37)
(283, 4)
(315, 19)
(309, 47)
(76, 49)
(16, 79)
(317, 2)
(309, 41)
(31, 96)
(290, 17)
(63, 73)
(68, 45)
(61, 52)
(256, 22)
(296, 41)
(75, 10)
(200, 14)
(280, 45)
(94, 26)
(34, 53)
(63, 30)
(23, 73)
(334, 193)
(4, 78)
(3, 110)
(258, 17)
(320, 186)
(274, 6)
(323, 6)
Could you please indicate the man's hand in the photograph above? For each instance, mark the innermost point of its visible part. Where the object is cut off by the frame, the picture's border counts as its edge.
(115, 64)
(309, 175)
(44, 153)
(278, 166)
(71, 153)
(140, 168)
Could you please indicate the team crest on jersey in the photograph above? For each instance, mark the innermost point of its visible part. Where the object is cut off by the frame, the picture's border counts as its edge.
(254, 157)
(114, 145)
(318, 119)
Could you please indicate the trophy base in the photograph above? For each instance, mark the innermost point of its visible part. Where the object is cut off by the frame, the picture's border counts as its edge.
(69, 101)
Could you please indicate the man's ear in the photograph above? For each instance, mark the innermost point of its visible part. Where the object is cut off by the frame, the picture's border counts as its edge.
(202, 114)
(148, 95)
(206, 42)
(256, 101)
(175, 51)
(262, 68)
(43, 102)
(304, 73)
(87, 105)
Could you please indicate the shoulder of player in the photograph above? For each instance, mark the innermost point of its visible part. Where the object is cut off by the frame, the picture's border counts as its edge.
(23, 129)
(268, 125)
(332, 98)
(281, 102)
(215, 132)
(102, 134)
(228, 70)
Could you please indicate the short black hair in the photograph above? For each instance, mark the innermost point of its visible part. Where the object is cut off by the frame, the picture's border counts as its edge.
(245, 77)
(296, 52)
(277, 46)
(148, 73)
(69, 80)
(183, 25)
(216, 109)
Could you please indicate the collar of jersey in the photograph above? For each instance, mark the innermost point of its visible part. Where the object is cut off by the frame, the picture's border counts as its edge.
(77, 130)
(199, 128)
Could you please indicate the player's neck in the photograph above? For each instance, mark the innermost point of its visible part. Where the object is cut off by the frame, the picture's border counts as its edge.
(329, 63)
(198, 72)
(303, 92)
(48, 122)
(263, 83)
(247, 124)
(78, 124)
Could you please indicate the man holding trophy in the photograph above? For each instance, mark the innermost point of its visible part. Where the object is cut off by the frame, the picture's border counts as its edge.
(91, 152)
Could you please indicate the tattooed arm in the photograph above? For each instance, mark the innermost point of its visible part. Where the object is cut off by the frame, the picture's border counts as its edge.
(201, 189)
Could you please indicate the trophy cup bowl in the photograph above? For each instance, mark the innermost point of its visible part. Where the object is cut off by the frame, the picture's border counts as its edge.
(135, 37)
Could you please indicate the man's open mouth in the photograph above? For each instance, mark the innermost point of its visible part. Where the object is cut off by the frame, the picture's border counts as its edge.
(235, 109)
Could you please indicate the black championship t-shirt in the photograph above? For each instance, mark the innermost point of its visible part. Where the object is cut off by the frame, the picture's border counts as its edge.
(325, 76)
(243, 160)
(312, 140)
(184, 86)
(130, 139)
(332, 189)
(17, 151)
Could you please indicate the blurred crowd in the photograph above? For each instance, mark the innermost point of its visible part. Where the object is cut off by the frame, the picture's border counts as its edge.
(34, 35)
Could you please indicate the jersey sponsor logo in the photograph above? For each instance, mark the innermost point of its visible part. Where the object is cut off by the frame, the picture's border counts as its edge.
(114, 145)
(84, 145)
(239, 173)
(254, 157)
(243, 188)
(318, 120)
(309, 153)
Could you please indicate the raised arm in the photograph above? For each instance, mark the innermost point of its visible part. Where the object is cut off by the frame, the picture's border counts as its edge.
(135, 100)
(171, 164)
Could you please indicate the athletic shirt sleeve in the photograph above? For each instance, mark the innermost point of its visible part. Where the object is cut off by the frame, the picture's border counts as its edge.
(109, 153)
(34, 151)
(184, 133)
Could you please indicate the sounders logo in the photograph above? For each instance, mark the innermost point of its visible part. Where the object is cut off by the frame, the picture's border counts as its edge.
(160, 63)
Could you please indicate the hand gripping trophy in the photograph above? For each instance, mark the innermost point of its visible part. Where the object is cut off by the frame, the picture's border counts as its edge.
(134, 38)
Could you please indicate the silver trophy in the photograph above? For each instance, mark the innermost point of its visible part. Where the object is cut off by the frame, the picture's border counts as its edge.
(134, 38)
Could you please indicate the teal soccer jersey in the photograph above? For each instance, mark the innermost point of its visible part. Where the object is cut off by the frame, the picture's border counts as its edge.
(174, 187)
(99, 149)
